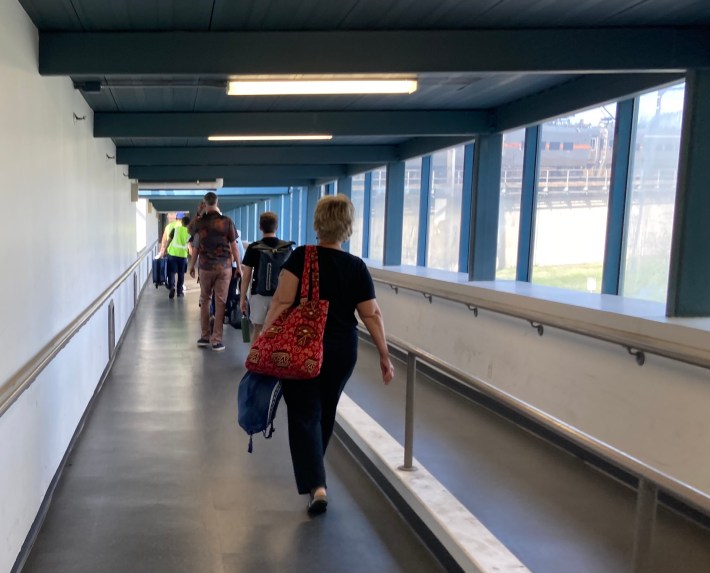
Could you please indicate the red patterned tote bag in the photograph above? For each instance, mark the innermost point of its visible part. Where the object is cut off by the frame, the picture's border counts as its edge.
(292, 347)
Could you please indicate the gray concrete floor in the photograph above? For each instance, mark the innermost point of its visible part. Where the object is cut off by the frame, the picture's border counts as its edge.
(160, 480)
(553, 511)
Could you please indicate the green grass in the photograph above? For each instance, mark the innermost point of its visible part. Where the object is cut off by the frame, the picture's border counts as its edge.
(572, 277)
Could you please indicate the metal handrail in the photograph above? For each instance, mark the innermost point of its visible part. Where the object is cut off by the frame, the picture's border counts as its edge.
(650, 478)
(11, 390)
(636, 344)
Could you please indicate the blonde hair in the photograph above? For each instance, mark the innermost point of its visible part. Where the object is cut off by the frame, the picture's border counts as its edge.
(333, 219)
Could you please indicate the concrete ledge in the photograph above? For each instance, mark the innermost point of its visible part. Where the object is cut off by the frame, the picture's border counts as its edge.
(467, 541)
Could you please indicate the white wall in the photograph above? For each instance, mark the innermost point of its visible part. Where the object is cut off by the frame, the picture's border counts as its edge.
(69, 231)
(657, 412)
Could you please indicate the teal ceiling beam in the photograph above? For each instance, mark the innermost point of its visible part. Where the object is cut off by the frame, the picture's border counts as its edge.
(578, 94)
(336, 123)
(427, 145)
(256, 155)
(568, 50)
(267, 174)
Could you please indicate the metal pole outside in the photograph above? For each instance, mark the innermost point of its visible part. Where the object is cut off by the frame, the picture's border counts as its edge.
(645, 521)
(409, 414)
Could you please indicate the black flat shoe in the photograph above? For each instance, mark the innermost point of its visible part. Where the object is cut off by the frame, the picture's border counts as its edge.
(317, 505)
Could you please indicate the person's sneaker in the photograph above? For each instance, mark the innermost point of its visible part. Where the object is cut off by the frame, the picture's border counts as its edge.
(172, 293)
(218, 347)
(203, 342)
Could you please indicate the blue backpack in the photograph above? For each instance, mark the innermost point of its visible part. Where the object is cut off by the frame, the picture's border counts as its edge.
(257, 400)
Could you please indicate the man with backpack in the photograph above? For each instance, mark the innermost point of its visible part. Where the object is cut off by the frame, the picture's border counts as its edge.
(260, 270)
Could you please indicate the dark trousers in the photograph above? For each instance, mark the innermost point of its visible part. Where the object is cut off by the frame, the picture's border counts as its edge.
(176, 265)
(311, 412)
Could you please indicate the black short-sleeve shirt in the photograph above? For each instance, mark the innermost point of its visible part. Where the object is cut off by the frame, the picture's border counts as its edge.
(251, 256)
(344, 281)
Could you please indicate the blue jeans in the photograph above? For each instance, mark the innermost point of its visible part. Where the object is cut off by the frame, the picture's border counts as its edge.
(176, 265)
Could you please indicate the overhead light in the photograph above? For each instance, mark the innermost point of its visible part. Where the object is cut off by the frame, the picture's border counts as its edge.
(168, 185)
(323, 87)
(267, 137)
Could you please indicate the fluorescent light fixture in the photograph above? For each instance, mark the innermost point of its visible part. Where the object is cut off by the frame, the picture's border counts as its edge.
(268, 137)
(174, 185)
(323, 87)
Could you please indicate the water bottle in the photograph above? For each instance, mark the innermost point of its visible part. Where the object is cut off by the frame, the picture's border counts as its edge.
(245, 329)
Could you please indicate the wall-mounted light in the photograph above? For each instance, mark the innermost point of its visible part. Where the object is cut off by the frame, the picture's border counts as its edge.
(269, 137)
(319, 87)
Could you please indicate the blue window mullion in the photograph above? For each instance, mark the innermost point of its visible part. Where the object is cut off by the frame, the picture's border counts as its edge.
(528, 203)
(466, 202)
(626, 113)
(366, 216)
(424, 195)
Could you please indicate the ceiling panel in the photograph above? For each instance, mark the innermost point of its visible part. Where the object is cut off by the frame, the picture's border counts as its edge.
(121, 15)
(437, 91)
(146, 15)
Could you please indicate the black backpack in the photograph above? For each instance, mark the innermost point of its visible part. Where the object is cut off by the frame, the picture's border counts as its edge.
(271, 259)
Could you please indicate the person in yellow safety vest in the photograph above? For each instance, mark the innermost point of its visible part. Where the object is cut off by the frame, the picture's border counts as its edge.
(168, 229)
(177, 257)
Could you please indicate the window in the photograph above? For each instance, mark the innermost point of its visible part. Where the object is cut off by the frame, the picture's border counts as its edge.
(511, 182)
(572, 204)
(377, 214)
(358, 199)
(445, 208)
(651, 195)
(410, 226)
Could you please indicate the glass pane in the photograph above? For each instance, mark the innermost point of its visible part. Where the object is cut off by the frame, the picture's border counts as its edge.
(445, 209)
(651, 200)
(377, 214)
(573, 195)
(511, 182)
(358, 199)
(410, 227)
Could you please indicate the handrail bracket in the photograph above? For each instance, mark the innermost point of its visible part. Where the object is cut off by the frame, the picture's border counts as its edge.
(537, 326)
(639, 355)
(473, 308)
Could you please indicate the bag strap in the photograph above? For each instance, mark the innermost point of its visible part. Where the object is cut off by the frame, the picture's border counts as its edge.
(310, 272)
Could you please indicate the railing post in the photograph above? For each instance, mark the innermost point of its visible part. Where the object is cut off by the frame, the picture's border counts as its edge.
(409, 414)
(645, 520)
(135, 290)
(111, 330)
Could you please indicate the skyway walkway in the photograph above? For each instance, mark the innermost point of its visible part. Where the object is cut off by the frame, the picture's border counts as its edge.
(161, 481)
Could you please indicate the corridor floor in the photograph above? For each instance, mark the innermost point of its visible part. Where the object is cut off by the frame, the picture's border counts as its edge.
(161, 481)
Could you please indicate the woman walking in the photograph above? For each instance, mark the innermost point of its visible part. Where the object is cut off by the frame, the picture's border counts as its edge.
(346, 283)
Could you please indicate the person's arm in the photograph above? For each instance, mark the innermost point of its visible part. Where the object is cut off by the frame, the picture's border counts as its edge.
(235, 256)
(164, 244)
(246, 283)
(371, 315)
(193, 262)
(283, 298)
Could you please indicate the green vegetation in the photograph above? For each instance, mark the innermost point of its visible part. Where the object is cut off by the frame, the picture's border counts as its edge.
(572, 277)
